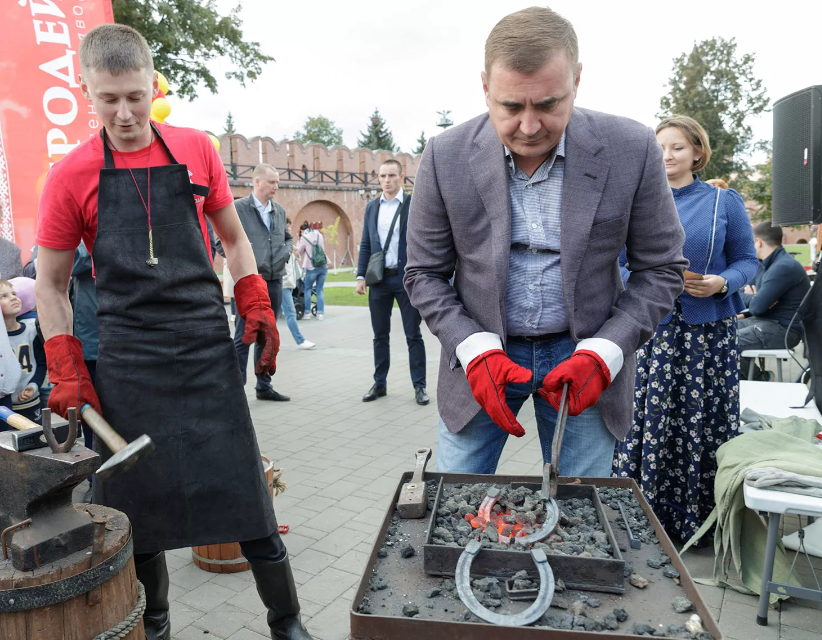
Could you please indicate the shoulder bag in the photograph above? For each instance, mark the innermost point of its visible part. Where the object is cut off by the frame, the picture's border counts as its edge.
(374, 273)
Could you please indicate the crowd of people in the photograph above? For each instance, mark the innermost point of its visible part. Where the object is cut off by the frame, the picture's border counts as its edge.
(584, 251)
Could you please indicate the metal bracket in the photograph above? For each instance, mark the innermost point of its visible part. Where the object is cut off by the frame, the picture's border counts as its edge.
(9, 530)
(530, 615)
(27, 598)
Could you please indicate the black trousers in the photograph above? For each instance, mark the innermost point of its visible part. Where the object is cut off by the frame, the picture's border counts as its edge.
(270, 549)
(275, 292)
(381, 301)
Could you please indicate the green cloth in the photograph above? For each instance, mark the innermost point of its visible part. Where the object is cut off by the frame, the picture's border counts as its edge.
(768, 448)
(803, 428)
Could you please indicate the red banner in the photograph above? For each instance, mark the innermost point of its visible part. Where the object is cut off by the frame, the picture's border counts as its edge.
(43, 115)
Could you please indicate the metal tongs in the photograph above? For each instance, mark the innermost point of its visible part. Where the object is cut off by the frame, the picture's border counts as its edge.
(556, 447)
(550, 482)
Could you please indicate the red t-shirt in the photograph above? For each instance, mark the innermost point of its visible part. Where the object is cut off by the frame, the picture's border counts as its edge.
(67, 211)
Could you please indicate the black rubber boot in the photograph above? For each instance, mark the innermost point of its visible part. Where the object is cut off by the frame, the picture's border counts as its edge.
(277, 590)
(154, 576)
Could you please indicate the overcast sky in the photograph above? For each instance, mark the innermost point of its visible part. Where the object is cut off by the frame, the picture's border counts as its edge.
(412, 59)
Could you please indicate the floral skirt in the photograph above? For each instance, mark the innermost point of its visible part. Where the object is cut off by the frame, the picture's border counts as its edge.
(686, 404)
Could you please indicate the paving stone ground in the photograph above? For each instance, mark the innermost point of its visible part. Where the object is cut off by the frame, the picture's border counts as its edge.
(343, 459)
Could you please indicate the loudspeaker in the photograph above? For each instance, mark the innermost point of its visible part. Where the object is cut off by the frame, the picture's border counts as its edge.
(797, 158)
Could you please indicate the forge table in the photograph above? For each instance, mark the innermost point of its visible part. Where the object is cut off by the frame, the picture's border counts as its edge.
(441, 618)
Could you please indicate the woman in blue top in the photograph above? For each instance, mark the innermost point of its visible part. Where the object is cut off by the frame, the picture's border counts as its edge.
(686, 399)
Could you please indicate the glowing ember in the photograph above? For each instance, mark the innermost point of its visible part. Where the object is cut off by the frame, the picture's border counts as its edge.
(505, 522)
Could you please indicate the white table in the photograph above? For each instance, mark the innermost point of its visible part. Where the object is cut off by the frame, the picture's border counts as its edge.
(777, 399)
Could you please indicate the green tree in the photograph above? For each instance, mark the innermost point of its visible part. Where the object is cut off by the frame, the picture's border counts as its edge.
(758, 185)
(185, 35)
(378, 137)
(229, 124)
(319, 130)
(421, 142)
(716, 87)
(332, 231)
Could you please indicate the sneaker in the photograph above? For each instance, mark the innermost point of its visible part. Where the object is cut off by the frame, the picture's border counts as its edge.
(305, 345)
(320, 316)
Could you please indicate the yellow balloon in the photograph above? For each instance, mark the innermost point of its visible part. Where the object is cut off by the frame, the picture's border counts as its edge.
(162, 82)
(155, 119)
(160, 108)
(215, 140)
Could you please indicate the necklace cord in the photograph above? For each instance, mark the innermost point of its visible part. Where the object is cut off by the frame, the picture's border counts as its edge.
(146, 205)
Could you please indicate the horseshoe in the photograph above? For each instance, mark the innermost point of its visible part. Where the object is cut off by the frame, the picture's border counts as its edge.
(547, 528)
(530, 615)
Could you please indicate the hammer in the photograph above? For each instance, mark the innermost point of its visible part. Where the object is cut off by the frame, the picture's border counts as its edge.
(125, 455)
(37, 434)
(414, 495)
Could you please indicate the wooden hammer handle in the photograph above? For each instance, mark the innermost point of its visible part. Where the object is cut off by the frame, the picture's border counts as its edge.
(102, 429)
(16, 420)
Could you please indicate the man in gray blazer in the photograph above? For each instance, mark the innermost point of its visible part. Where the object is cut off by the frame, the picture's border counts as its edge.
(265, 225)
(527, 208)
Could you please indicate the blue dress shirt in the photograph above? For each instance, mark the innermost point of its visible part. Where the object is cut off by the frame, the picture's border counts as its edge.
(535, 304)
(387, 210)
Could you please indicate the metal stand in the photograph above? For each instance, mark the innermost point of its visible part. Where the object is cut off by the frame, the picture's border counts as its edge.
(786, 589)
(348, 251)
(767, 572)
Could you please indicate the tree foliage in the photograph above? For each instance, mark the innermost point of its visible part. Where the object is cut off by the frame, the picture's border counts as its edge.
(716, 87)
(421, 142)
(758, 185)
(229, 124)
(378, 137)
(319, 130)
(185, 35)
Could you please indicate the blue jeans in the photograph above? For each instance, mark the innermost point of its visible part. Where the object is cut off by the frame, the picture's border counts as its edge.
(291, 315)
(318, 276)
(587, 448)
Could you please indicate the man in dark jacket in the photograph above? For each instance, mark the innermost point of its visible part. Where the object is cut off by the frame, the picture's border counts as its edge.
(772, 298)
(386, 220)
(265, 225)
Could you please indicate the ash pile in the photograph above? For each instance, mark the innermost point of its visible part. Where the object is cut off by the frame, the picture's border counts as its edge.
(519, 511)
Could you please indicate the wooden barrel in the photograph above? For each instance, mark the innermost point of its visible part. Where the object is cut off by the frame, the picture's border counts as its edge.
(227, 557)
(75, 618)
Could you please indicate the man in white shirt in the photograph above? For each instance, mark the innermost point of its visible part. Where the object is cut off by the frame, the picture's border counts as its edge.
(384, 230)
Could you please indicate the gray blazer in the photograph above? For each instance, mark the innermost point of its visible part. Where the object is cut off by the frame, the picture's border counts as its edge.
(615, 193)
(271, 248)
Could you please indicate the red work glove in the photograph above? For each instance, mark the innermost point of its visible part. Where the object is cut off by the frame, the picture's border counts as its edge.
(72, 385)
(254, 305)
(488, 374)
(587, 377)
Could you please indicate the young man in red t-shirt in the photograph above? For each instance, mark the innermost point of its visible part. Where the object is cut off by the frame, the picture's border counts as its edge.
(167, 365)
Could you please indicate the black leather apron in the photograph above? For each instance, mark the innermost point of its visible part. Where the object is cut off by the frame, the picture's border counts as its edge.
(168, 367)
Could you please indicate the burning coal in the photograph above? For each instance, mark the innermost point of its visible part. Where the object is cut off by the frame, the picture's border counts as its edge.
(465, 512)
